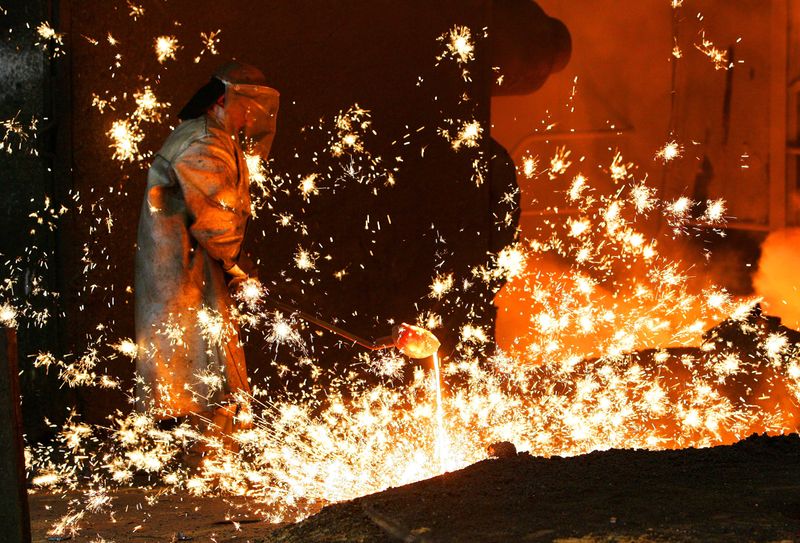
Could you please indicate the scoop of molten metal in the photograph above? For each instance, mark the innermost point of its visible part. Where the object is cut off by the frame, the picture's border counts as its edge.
(414, 341)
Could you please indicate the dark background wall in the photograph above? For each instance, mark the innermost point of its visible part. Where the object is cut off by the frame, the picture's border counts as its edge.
(33, 167)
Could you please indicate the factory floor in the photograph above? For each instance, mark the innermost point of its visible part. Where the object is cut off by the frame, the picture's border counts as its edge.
(749, 491)
(135, 517)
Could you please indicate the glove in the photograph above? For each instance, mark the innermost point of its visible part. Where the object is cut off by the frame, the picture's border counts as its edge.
(235, 276)
(247, 265)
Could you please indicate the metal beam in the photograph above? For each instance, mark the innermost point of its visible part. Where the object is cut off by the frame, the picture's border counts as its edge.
(778, 109)
(14, 513)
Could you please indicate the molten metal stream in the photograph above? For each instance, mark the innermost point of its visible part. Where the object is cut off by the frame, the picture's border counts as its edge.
(441, 434)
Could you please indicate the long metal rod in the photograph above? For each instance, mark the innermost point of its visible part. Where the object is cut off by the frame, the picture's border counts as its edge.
(376, 345)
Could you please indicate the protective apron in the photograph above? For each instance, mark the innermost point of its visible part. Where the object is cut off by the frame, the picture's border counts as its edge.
(191, 229)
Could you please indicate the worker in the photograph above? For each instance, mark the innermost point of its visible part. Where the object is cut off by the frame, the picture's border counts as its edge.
(190, 360)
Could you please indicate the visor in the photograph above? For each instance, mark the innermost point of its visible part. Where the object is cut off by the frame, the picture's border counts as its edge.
(258, 105)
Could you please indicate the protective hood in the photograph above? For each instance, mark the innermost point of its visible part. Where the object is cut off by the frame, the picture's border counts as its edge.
(251, 112)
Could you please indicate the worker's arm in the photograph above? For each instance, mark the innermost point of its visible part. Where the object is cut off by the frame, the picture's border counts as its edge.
(208, 176)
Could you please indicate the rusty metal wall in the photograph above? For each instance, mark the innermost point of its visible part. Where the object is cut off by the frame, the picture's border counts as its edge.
(624, 99)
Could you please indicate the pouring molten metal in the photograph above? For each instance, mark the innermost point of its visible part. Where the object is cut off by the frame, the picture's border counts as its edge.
(414, 342)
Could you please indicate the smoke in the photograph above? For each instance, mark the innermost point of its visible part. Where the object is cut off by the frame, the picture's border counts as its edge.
(777, 277)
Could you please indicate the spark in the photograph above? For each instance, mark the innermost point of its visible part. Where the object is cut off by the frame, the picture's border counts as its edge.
(308, 186)
(469, 135)
(472, 333)
(679, 209)
(619, 169)
(251, 291)
(479, 171)
(560, 162)
(430, 321)
(729, 365)
(460, 47)
(775, 345)
(669, 275)
(68, 525)
(741, 311)
(284, 219)
(670, 151)
(255, 169)
(46, 479)
(585, 285)
(282, 331)
(75, 434)
(577, 187)
(583, 254)
(136, 10)
(148, 108)
(612, 214)
(125, 137)
(643, 198)
(390, 364)
(511, 262)
(8, 315)
(441, 285)
(717, 299)
(127, 348)
(350, 128)
(529, 165)
(715, 211)
(50, 39)
(45, 360)
(579, 227)
(166, 47)
(101, 104)
(213, 326)
(106, 381)
(98, 500)
(16, 136)
(210, 41)
(213, 382)
(305, 260)
(717, 56)
(260, 187)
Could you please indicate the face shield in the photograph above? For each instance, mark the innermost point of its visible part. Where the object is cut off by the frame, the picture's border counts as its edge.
(251, 111)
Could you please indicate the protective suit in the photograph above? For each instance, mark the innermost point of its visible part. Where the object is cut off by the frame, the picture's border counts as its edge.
(191, 228)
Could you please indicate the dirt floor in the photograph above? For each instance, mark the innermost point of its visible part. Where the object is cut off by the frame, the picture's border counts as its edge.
(749, 491)
(172, 518)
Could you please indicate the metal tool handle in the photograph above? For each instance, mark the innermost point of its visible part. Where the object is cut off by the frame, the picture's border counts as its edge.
(379, 344)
